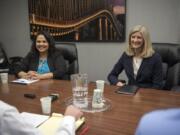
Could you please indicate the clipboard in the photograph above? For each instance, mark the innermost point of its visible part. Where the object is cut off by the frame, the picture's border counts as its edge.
(127, 89)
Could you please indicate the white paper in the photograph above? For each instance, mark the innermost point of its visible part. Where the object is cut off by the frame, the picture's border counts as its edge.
(24, 81)
(34, 119)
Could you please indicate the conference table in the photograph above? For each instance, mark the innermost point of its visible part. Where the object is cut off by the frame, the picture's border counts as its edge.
(120, 119)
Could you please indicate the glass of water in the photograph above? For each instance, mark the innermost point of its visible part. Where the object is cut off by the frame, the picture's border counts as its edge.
(80, 90)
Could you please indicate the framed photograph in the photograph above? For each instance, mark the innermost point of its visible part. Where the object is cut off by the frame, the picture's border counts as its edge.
(79, 20)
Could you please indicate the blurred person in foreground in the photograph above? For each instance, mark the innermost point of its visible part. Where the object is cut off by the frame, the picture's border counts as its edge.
(160, 122)
(12, 123)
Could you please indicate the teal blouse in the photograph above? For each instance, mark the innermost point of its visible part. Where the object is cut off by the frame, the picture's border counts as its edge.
(43, 67)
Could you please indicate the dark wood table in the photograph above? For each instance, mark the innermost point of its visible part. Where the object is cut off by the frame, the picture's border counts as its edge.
(121, 119)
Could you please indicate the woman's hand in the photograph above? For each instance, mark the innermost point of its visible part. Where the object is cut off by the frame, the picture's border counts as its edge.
(120, 84)
(43, 76)
(32, 75)
(23, 75)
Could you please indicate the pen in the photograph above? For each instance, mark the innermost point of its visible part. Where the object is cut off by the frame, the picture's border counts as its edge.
(84, 130)
(22, 81)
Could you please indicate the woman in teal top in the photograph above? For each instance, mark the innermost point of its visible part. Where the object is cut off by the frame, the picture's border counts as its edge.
(44, 61)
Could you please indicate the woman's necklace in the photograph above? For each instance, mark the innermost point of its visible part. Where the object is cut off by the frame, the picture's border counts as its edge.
(137, 60)
(42, 61)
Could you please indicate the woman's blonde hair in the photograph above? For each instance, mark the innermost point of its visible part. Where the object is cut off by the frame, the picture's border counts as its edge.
(147, 50)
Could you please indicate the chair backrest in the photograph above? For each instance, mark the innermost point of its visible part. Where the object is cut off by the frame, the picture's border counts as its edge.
(8, 64)
(70, 54)
(4, 64)
(170, 54)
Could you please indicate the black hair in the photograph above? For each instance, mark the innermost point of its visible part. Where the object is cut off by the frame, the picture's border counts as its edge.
(49, 39)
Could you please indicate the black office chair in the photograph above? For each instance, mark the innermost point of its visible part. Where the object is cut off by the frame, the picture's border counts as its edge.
(4, 64)
(170, 54)
(70, 54)
(7, 64)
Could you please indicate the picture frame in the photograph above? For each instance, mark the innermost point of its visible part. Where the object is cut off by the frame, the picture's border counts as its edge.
(79, 20)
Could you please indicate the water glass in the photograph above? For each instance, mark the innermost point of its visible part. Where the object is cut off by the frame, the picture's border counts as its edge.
(80, 90)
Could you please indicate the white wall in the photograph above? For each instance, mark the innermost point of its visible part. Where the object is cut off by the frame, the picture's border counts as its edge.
(97, 59)
(179, 21)
(162, 17)
(14, 26)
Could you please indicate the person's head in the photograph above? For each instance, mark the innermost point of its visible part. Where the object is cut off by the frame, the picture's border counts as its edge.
(139, 42)
(43, 43)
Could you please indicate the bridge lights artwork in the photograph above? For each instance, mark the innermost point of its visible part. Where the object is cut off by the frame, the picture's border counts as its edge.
(79, 20)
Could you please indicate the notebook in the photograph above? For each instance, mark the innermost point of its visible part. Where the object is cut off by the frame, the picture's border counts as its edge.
(50, 126)
(127, 89)
(24, 81)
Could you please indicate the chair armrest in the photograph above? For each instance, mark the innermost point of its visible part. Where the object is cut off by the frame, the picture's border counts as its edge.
(15, 59)
(13, 62)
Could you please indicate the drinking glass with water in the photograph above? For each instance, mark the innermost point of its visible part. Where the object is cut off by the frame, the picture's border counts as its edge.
(80, 90)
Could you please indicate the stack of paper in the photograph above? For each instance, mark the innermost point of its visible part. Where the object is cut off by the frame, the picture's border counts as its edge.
(24, 81)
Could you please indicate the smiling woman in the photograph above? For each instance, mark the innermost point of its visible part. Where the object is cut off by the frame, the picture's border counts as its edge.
(136, 41)
(143, 66)
(44, 61)
(42, 45)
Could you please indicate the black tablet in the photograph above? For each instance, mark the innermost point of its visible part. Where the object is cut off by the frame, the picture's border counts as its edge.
(127, 89)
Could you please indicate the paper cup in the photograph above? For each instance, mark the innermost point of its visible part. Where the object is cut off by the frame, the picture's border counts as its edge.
(100, 85)
(46, 105)
(4, 77)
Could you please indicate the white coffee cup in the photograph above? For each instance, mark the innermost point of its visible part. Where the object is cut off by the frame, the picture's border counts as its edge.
(46, 105)
(97, 101)
(4, 77)
(100, 85)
